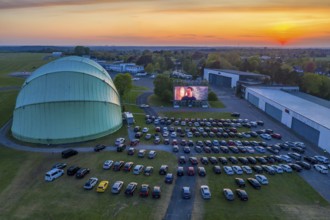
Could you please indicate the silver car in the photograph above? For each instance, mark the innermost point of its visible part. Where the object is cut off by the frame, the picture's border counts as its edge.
(205, 192)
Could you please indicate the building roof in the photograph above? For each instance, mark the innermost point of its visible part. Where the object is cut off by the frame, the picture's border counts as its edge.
(236, 72)
(313, 111)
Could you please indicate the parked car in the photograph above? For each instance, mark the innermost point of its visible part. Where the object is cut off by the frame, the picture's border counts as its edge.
(286, 168)
(311, 160)
(304, 165)
(118, 165)
(121, 147)
(53, 174)
(72, 170)
(128, 166)
(254, 183)
(242, 194)
(138, 169)
(144, 191)
(262, 179)
(107, 164)
(134, 142)
(141, 153)
(156, 192)
(247, 169)
(240, 182)
(237, 169)
(217, 169)
(266, 136)
(205, 192)
(103, 185)
(228, 170)
(131, 187)
(59, 165)
(152, 154)
(163, 170)
(322, 159)
(321, 168)
(120, 141)
(99, 147)
(229, 195)
(193, 160)
(69, 153)
(117, 186)
(191, 171)
(186, 192)
(91, 183)
(201, 171)
(169, 178)
(82, 172)
(148, 170)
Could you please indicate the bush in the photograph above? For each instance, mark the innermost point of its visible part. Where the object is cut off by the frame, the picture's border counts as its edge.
(212, 96)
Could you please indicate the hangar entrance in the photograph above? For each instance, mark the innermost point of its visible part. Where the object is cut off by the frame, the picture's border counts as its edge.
(306, 131)
(273, 112)
(220, 81)
(253, 99)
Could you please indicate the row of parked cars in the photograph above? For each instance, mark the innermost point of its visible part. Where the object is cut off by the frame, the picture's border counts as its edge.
(58, 170)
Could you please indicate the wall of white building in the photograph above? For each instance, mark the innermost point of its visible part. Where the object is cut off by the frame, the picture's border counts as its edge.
(234, 77)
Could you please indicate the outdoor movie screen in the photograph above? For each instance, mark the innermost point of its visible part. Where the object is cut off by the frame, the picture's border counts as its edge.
(190, 93)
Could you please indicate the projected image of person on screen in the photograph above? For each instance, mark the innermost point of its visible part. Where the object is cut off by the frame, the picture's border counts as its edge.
(189, 95)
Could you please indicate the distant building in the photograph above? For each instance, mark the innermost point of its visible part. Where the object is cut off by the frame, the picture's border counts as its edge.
(231, 78)
(57, 54)
(298, 69)
(180, 75)
(124, 67)
(308, 117)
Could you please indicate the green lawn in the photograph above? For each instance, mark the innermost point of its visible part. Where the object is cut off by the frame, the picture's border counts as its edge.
(155, 101)
(25, 194)
(281, 199)
(19, 62)
(216, 104)
(7, 103)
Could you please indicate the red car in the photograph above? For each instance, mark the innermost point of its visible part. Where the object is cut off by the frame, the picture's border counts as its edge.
(276, 135)
(191, 171)
(144, 191)
(135, 142)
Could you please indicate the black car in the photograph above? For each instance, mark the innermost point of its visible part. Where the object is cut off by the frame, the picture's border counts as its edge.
(224, 149)
(243, 160)
(180, 171)
(234, 149)
(233, 160)
(99, 147)
(242, 194)
(204, 160)
(182, 160)
(304, 165)
(156, 192)
(298, 150)
(295, 156)
(131, 187)
(72, 170)
(257, 169)
(217, 169)
(201, 171)
(118, 165)
(261, 160)
(252, 160)
(163, 170)
(240, 182)
(311, 160)
(223, 160)
(235, 114)
(295, 167)
(193, 160)
(68, 153)
(81, 173)
(254, 183)
(121, 147)
(169, 178)
(213, 160)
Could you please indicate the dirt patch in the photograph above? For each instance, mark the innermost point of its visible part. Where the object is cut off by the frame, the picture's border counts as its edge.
(305, 212)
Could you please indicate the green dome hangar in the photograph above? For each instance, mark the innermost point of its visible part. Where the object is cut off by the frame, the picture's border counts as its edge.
(69, 100)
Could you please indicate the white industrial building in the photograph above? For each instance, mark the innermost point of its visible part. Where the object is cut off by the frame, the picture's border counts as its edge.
(230, 78)
(307, 118)
(124, 67)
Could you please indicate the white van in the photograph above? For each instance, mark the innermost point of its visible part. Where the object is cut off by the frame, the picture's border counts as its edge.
(53, 174)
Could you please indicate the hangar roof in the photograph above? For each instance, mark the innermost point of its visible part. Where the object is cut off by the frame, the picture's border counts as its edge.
(313, 111)
(236, 72)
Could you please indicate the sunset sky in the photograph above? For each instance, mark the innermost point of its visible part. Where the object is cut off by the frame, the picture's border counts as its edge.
(285, 23)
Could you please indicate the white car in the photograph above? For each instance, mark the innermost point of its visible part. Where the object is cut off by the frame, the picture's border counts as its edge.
(91, 183)
(119, 141)
(144, 106)
(145, 130)
(138, 169)
(321, 168)
(173, 134)
(238, 170)
(286, 168)
(228, 170)
(262, 179)
(116, 187)
(286, 158)
(247, 169)
(266, 136)
(152, 154)
(249, 149)
(107, 164)
(277, 168)
(205, 191)
(165, 134)
(322, 159)
(190, 134)
(260, 149)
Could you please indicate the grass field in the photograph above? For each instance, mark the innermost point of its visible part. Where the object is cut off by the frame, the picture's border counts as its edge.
(155, 101)
(217, 104)
(25, 195)
(19, 62)
(7, 103)
(281, 199)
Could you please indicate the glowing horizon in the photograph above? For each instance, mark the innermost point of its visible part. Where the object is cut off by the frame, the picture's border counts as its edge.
(165, 23)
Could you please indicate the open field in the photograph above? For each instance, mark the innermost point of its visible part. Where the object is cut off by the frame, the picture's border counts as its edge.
(155, 101)
(25, 195)
(279, 200)
(19, 62)
(7, 103)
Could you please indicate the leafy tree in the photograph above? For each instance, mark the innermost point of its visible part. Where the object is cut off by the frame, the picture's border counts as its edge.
(163, 87)
(149, 68)
(212, 96)
(144, 60)
(81, 50)
(123, 83)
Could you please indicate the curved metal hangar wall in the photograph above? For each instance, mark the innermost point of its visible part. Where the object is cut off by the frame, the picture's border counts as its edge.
(71, 99)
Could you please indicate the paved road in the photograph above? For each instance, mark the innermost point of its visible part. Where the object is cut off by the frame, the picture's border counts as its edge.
(9, 88)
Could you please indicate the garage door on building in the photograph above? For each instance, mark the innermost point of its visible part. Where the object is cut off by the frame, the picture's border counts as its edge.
(273, 112)
(253, 99)
(220, 81)
(309, 133)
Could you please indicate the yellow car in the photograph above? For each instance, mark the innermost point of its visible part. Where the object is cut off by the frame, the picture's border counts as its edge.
(102, 186)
